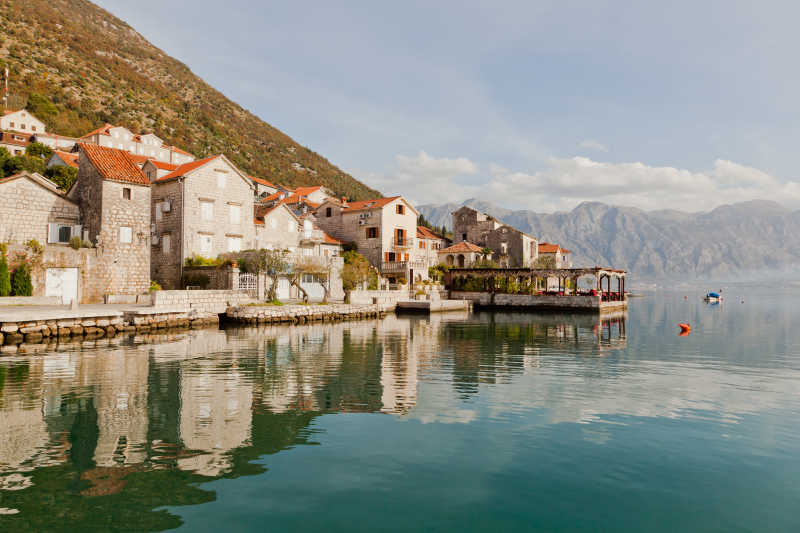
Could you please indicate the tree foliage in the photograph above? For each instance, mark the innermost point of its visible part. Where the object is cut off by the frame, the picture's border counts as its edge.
(62, 175)
(42, 151)
(5, 278)
(21, 284)
(545, 261)
(356, 270)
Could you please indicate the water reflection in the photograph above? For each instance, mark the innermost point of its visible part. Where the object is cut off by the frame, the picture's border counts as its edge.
(148, 417)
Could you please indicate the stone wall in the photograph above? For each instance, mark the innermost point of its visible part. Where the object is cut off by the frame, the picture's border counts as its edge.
(165, 263)
(222, 277)
(27, 208)
(275, 234)
(212, 301)
(485, 231)
(125, 267)
(362, 297)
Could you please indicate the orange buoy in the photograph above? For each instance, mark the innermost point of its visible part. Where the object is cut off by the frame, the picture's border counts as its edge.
(685, 327)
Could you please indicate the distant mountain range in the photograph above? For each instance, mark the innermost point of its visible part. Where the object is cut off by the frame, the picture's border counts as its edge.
(729, 241)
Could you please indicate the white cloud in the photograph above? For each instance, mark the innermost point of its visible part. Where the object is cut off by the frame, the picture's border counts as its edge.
(591, 144)
(566, 182)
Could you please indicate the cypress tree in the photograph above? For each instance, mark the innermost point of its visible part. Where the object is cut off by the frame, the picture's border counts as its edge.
(21, 284)
(5, 278)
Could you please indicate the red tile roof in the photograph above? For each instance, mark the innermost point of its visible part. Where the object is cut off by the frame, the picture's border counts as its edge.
(102, 130)
(113, 164)
(263, 182)
(303, 191)
(425, 233)
(369, 204)
(139, 159)
(176, 149)
(548, 248)
(331, 240)
(70, 158)
(187, 167)
(162, 165)
(462, 246)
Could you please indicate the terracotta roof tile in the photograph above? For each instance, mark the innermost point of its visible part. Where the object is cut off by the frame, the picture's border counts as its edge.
(303, 191)
(548, 248)
(102, 130)
(113, 164)
(369, 204)
(263, 182)
(425, 233)
(186, 168)
(70, 158)
(163, 166)
(331, 240)
(462, 246)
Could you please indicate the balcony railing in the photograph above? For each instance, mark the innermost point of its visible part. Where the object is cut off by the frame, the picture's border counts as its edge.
(403, 242)
(401, 266)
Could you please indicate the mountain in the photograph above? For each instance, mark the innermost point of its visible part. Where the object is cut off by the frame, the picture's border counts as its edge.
(731, 240)
(76, 67)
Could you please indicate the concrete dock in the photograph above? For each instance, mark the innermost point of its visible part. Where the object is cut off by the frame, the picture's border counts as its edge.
(433, 306)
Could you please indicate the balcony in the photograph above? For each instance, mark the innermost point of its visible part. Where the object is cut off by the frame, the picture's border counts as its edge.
(405, 242)
(311, 237)
(398, 267)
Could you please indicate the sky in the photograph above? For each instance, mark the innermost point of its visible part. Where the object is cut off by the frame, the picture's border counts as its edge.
(532, 104)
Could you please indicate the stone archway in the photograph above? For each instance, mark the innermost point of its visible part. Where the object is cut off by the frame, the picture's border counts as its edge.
(461, 260)
(450, 260)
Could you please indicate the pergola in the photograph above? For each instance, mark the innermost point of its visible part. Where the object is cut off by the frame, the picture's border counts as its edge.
(534, 280)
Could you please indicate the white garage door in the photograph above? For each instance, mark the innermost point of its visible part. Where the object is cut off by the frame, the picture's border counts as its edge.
(63, 283)
(314, 288)
(283, 289)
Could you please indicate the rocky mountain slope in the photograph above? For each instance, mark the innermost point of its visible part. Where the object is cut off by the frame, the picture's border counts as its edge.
(730, 240)
(76, 66)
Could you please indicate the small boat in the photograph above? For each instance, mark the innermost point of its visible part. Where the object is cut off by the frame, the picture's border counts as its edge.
(712, 297)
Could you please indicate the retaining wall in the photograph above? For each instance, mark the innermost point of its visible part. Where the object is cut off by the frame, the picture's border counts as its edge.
(301, 314)
(213, 301)
(544, 301)
(361, 297)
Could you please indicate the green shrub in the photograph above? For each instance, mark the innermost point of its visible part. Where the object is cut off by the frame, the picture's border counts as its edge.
(34, 246)
(62, 176)
(196, 280)
(87, 244)
(21, 284)
(154, 286)
(402, 280)
(75, 242)
(199, 260)
(5, 277)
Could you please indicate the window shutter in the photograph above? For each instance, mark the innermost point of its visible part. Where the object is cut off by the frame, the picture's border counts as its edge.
(387, 256)
(52, 232)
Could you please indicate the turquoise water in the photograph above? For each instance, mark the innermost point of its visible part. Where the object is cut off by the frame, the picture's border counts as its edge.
(482, 422)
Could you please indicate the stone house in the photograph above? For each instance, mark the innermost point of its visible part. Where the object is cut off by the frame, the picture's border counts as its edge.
(277, 228)
(21, 121)
(427, 250)
(114, 198)
(383, 230)
(264, 188)
(203, 208)
(148, 145)
(63, 159)
(54, 141)
(315, 194)
(15, 143)
(510, 247)
(561, 257)
(461, 255)
(33, 207)
(154, 169)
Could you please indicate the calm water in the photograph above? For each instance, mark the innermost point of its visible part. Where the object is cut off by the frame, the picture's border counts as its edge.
(486, 422)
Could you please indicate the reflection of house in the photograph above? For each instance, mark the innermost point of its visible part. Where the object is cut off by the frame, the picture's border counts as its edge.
(215, 417)
(555, 255)
(510, 247)
(461, 255)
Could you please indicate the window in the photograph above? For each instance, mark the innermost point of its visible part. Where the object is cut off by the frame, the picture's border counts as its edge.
(205, 243)
(22, 126)
(33, 128)
(421, 245)
(126, 193)
(62, 233)
(12, 124)
(308, 251)
(165, 243)
(328, 212)
(206, 210)
(463, 236)
(234, 244)
(125, 235)
(220, 180)
(401, 209)
(372, 233)
(235, 213)
(504, 248)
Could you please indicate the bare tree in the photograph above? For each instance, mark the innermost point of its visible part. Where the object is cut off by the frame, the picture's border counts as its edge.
(318, 267)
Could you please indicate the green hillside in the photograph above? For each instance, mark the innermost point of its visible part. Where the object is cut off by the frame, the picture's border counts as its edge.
(76, 66)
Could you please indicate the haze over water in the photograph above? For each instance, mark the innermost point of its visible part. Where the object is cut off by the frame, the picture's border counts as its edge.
(484, 422)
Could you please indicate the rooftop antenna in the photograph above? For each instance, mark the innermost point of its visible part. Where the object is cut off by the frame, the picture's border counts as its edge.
(5, 94)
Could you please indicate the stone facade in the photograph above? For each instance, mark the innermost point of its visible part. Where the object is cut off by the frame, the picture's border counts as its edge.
(22, 121)
(383, 231)
(206, 212)
(148, 145)
(29, 204)
(280, 229)
(116, 219)
(511, 247)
